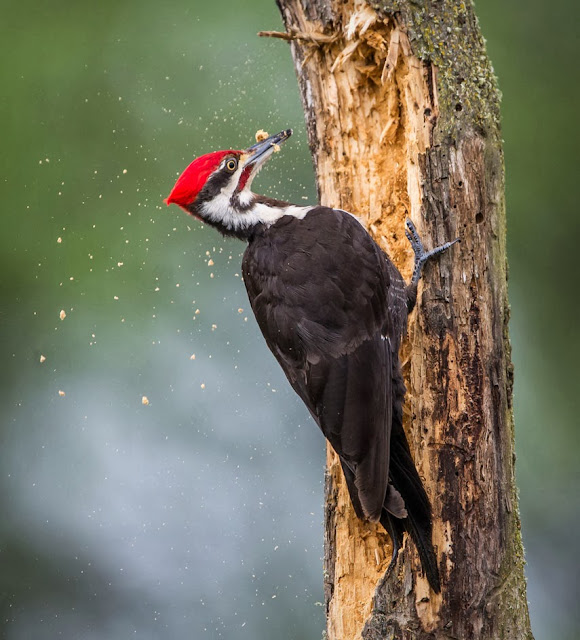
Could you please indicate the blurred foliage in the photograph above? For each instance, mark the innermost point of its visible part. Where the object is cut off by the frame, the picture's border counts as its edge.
(175, 519)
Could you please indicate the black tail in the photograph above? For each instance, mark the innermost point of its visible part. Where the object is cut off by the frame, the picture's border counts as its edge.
(405, 478)
(418, 523)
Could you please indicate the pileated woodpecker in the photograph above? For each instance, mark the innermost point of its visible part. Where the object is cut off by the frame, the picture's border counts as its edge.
(332, 308)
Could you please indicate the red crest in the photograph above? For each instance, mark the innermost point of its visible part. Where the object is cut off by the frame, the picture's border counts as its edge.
(191, 181)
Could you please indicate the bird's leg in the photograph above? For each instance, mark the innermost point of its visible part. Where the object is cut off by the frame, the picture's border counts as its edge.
(421, 256)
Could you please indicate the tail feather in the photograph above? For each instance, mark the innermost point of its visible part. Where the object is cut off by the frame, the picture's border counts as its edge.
(395, 528)
(418, 522)
(405, 479)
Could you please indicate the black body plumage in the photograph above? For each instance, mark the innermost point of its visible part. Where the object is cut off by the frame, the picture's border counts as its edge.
(333, 308)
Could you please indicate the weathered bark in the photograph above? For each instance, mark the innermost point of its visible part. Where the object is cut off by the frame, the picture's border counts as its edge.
(402, 112)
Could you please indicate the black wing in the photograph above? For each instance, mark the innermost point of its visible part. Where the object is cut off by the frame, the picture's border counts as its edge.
(319, 289)
(332, 309)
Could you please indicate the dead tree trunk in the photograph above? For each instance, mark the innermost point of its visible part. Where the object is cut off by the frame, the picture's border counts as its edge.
(402, 111)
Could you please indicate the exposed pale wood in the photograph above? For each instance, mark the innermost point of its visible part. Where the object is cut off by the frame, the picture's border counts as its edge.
(402, 116)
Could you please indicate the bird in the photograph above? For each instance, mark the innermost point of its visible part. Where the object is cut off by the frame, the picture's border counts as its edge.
(333, 309)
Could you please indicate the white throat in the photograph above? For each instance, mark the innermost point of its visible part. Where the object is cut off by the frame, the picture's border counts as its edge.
(220, 210)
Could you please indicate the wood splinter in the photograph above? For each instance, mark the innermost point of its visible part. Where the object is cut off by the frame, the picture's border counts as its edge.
(313, 37)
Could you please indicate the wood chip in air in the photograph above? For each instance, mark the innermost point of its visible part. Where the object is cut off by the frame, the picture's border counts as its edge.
(261, 135)
(62, 314)
(42, 358)
(61, 393)
(145, 400)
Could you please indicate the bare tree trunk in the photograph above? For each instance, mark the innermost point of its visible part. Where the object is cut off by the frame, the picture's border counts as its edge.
(402, 111)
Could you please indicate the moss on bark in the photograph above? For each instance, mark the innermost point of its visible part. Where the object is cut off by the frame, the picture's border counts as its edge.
(447, 35)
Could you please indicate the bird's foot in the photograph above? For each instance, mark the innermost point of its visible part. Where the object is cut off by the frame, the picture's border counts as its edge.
(421, 256)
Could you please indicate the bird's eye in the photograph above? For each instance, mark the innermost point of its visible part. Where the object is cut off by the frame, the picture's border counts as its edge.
(231, 164)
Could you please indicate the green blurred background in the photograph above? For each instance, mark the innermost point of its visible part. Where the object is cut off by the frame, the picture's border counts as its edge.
(200, 515)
